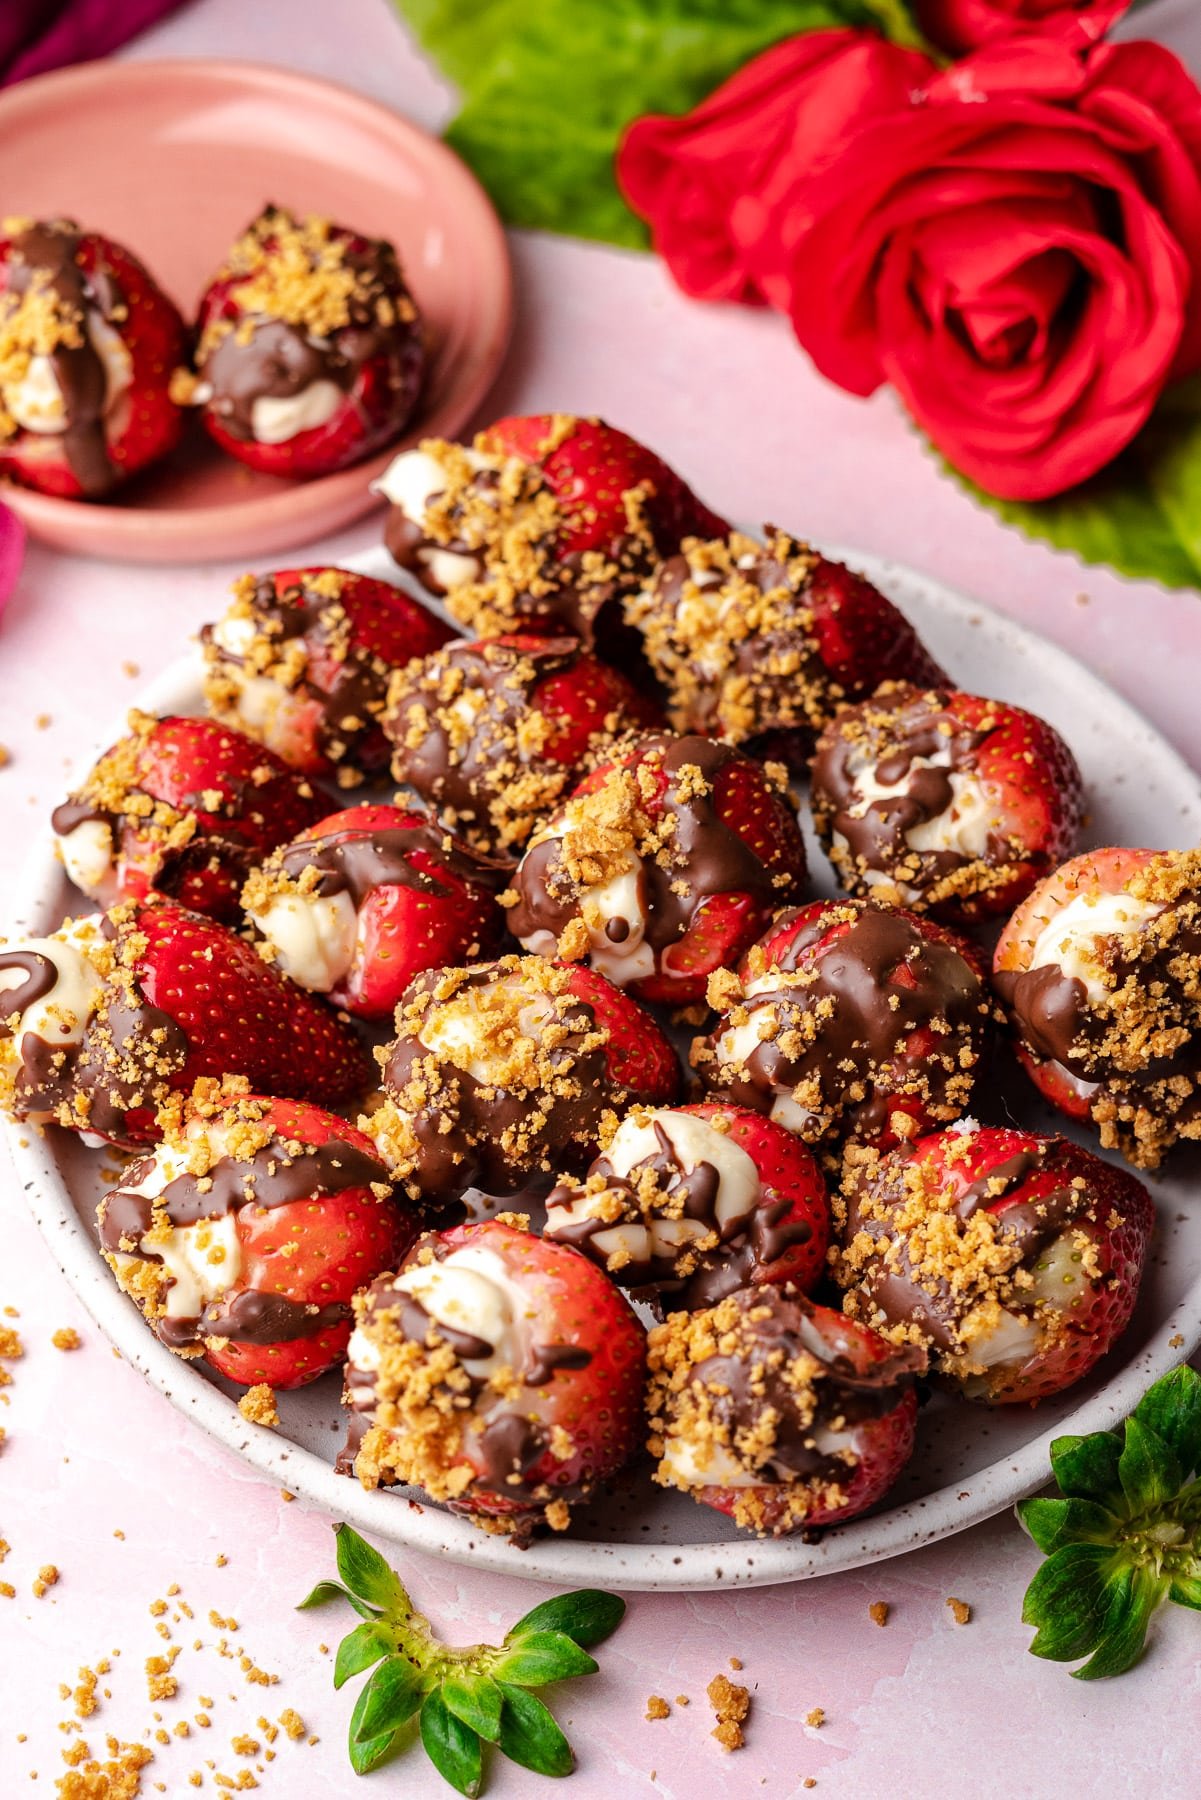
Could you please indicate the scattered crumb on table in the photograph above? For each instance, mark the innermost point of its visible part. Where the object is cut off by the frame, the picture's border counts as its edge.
(657, 1707)
(730, 1704)
(961, 1612)
(877, 1612)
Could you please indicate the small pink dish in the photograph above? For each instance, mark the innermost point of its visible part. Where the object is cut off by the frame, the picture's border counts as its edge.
(174, 159)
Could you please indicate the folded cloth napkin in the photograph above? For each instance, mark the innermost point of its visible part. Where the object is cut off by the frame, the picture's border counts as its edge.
(36, 35)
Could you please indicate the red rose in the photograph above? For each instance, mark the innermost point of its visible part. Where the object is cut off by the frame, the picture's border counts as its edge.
(963, 25)
(685, 175)
(1019, 254)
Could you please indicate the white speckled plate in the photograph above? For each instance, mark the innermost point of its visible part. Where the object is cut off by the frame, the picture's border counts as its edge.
(969, 1463)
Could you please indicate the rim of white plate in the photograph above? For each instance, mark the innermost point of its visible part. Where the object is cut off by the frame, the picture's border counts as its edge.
(634, 1567)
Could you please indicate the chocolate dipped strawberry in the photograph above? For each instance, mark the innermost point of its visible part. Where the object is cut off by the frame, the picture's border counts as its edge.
(302, 660)
(942, 801)
(310, 352)
(695, 1202)
(495, 734)
(850, 1022)
(244, 1235)
(503, 1073)
(543, 523)
(761, 643)
(1014, 1259)
(779, 1413)
(366, 900)
(1099, 971)
(497, 1373)
(88, 346)
(104, 1019)
(664, 865)
(182, 806)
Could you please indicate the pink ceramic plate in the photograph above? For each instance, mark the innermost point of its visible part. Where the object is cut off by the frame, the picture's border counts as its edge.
(174, 159)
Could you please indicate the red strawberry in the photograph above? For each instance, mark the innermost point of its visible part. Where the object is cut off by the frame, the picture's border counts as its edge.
(943, 801)
(664, 865)
(493, 734)
(498, 1372)
(760, 643)
(1097, 971)
(502, 1074)
(302, 660)
(85, 397)
(696, 1202)
(1016, 1258)
(366, 900)
(184, 806)
(850, 1021)
(782, 1414)
(254, 1262)
(115, 1014)
(310, 352)
(543, 523)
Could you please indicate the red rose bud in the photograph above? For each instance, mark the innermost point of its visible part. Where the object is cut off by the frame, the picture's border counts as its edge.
(958, 26)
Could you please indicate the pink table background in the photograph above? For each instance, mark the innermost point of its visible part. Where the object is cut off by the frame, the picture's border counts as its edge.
(921, 1707)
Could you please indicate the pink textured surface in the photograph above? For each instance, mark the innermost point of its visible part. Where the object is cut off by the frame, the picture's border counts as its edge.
(921, 1707)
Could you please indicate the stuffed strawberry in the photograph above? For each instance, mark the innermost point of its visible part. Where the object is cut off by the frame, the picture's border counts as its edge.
(245, 1234)
(782, 1414)
(310, 352)
(494, 734)
(498, 1373)
(1017, 1259)
(182, 806)
(108, 1016)
(503, 1073)
(850, 1022)
(366, 900)
(302, 660)
(88, 346)
(1098, 970)
(544, 523)
(664, 865)
(944, 802)
(761, 643)
(696, 1202)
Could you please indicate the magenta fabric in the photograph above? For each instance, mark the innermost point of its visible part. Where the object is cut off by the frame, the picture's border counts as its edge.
(36, 35)
(12, 551)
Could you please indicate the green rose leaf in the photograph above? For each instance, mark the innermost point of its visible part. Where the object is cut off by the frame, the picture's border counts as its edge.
(366, 1573)
(542, 1656)
(586, 1617)
(360, 1648)
(390, 1698)
(548, 89)
(452, 1747)
(529, 1735)
(333, 1590)
(1086, 1468)
(1185, 1590)
(1141, 515)
(477, 1701)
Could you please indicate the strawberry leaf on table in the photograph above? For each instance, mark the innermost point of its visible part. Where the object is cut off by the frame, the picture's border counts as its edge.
(1141, 515)
(1124, 1535)
(548, 89)
(455, 1701)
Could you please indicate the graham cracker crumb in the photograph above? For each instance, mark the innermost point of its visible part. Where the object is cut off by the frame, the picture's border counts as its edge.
(816, 1717)
(877, 1612)
(67, 1339)
(657, 1707)
(47, 1577)
(731, 1705)
(258, 1405)
(960, 1610)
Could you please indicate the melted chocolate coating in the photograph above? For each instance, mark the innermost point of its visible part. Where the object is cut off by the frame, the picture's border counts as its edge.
(356, 862)
(39, 978)
(867, 1013)
(708, 857)
(52, 250)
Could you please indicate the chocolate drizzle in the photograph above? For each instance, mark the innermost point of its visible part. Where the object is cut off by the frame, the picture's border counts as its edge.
(356, 862)
(50, 253)
(706, 857)
(885, 737)
(875, 980)
(39, 977)
(1051, 1008)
